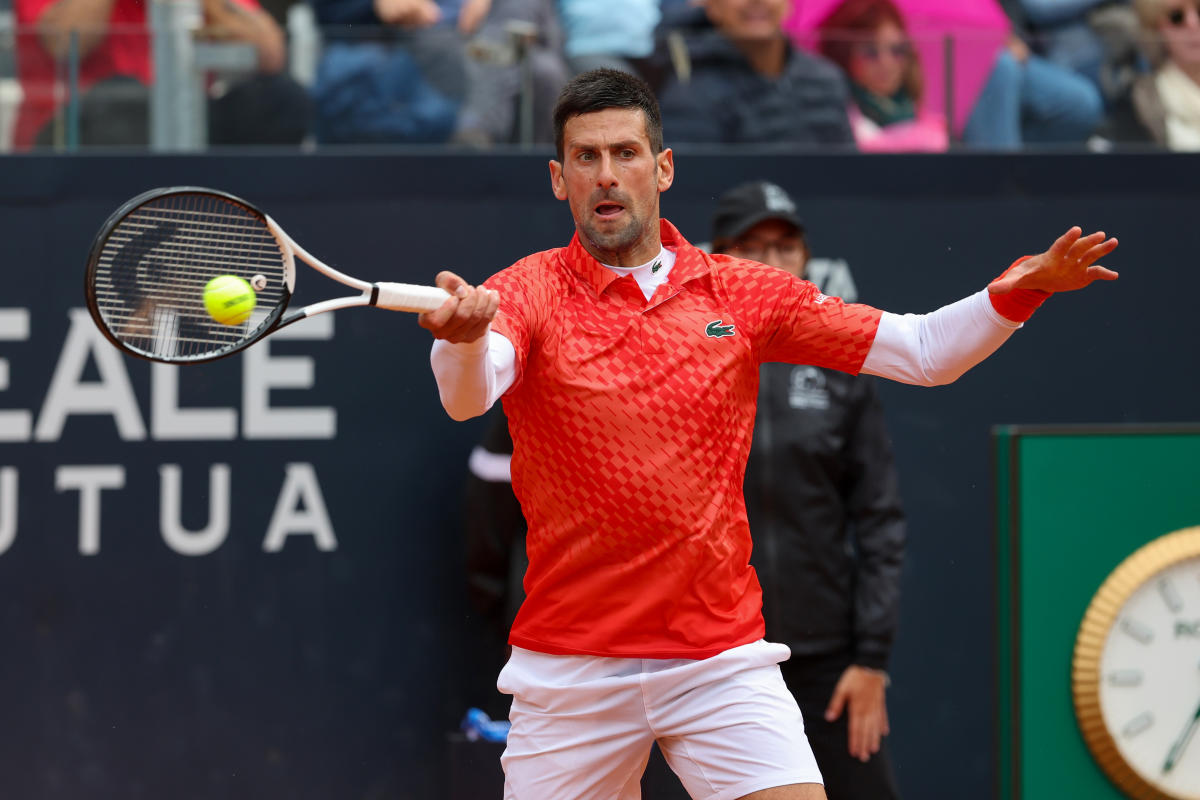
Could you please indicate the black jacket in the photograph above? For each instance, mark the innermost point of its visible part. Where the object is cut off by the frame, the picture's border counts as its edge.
(709, 93)
(825, 514)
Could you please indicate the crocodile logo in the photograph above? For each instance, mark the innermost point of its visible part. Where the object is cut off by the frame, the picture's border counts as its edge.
(716, 329)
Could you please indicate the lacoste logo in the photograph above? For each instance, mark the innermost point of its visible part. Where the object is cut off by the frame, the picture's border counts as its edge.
(715, 329)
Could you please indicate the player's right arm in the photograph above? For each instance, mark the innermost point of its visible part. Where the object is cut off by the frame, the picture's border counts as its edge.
(466, 314)
(485, 334)
(472, 364)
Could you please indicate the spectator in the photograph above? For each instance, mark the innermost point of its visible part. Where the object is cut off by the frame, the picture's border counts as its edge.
(824, 506)
(869, 41)
(615, 34)
(266, 108)
(727, 76)
(1029, 100)
(392, 71)
(512, 31)
(1163, 106)
(1094, 38)
(115, 71)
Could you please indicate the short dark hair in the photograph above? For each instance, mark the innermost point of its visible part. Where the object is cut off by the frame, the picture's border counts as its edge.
(601, 89)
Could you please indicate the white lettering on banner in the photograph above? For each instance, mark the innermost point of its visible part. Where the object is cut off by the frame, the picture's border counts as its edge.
(300, 484)
(179, 538)
(299, 510)
(8, 507)
(16, 424)
(89, 481)
(77, 387)
(261, 373)
(169, 421)
(112, 395)
(69, 394)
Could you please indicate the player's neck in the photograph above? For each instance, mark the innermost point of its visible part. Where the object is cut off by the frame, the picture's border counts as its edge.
(641, 252)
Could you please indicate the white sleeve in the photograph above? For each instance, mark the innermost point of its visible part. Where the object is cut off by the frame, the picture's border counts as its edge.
(936, 348)
(471, 377)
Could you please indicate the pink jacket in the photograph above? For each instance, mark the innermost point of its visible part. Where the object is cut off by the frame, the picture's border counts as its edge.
(926, 133)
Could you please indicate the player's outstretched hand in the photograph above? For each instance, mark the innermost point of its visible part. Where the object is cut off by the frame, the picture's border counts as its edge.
(1069, 264)
(465, 315)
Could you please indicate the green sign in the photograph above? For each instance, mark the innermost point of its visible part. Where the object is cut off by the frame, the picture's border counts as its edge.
(1071, 505)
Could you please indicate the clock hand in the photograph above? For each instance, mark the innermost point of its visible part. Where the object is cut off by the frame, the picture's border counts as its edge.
(1180, 743)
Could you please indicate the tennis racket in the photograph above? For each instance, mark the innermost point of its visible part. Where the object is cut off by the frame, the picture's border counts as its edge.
(150, 262)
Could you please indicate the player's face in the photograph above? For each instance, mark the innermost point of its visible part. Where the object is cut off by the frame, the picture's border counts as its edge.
(747, 20)
(611, 178)
(775, 243)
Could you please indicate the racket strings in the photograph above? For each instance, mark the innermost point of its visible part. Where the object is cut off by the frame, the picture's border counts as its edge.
(157, 260)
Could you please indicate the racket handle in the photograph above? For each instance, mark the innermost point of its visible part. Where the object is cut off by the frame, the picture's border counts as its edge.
(408, 297)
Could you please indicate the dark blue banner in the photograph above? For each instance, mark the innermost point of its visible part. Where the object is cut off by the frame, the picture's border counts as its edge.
(245, 579)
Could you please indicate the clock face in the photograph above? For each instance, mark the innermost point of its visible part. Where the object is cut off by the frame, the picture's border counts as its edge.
(1149, 680)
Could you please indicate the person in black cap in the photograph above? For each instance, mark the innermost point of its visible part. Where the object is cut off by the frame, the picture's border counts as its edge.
(758, 221)
(824, 506)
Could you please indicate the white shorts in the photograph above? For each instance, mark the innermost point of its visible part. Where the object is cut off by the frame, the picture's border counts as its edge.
(582, 726)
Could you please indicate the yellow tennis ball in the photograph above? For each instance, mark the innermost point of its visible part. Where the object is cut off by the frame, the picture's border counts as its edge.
(229, 299)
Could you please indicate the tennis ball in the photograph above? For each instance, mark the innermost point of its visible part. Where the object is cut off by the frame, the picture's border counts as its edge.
(229, 299)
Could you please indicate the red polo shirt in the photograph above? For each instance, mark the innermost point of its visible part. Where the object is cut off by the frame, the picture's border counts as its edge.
(631, 421)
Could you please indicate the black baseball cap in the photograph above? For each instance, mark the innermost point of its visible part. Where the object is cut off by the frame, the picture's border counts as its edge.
(747, 204)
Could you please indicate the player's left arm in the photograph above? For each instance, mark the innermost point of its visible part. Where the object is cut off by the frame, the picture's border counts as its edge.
(788, 319)
(937, 348)
(1069, 264)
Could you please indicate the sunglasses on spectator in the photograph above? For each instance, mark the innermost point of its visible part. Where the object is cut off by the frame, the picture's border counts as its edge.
(900, 51)
(1178, 16)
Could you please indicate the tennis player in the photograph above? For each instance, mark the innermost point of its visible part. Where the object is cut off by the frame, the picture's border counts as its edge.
(628, 364)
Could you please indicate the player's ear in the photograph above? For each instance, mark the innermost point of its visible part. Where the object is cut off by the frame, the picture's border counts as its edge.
(557, 184)
(666, 169)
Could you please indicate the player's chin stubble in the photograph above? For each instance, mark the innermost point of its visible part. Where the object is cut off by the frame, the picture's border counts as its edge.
(613, 243)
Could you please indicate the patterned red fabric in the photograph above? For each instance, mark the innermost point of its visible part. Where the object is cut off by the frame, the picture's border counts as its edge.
(631, 423)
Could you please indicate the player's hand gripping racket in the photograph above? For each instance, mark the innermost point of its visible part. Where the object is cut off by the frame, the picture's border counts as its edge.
(151, 261)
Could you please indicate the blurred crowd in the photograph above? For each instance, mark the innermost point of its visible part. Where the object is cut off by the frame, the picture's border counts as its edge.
(871, 75)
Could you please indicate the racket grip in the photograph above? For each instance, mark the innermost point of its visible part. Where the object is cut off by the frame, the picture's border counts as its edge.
(408, 297)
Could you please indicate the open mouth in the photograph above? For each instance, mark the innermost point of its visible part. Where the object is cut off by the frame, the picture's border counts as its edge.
(608, 209)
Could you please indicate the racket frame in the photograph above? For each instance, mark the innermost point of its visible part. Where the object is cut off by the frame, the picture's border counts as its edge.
(395, 296)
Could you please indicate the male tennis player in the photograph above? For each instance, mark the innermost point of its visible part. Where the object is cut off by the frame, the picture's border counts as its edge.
(628, 362)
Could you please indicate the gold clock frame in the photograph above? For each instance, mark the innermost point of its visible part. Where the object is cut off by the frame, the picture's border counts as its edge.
(1101, 615)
